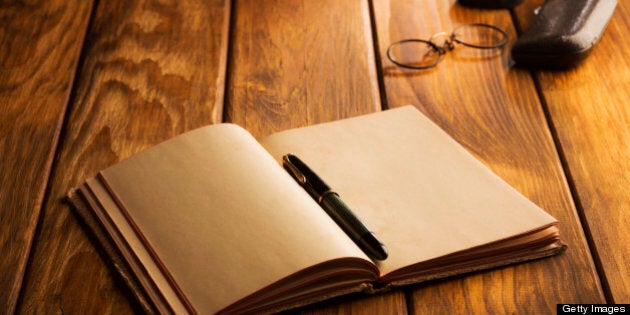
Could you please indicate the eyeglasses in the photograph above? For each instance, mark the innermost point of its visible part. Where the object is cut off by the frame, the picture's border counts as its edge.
(423, 54)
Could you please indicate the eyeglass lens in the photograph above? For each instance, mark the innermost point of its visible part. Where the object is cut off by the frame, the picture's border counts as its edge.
(479, 35)
(418, 54)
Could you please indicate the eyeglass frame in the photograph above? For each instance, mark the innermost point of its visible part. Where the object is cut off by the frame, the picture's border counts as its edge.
(448, 44)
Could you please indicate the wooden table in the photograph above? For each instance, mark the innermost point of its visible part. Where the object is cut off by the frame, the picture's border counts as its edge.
(85, 84)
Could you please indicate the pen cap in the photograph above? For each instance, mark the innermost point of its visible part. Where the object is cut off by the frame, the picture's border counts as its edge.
(314, 185)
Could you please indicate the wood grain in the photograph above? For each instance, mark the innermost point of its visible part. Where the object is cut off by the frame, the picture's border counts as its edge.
(151, 70)
(588, 106)
(40, 44)
(389, 303)
(493, 110)
(154, 69)
(300, 63)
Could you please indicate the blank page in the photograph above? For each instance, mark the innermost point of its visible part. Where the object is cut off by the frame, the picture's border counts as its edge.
(222, 216)
(418, 190)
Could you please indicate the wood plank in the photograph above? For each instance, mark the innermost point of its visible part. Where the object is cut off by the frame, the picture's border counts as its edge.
(388, 303)
(150, 71)
(299, 63)
(295, 64)
(589, 109)
(40, 46)
(493, 110)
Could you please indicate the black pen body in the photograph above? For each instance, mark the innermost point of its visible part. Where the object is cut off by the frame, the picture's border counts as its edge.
(334, 207)
(356, 230)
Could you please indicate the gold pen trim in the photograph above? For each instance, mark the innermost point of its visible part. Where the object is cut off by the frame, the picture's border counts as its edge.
(294, 170)
(326, 193)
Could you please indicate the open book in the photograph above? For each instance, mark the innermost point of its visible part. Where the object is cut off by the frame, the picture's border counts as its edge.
(209, 221)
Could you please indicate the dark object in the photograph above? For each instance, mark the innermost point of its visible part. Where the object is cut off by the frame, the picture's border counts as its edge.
(490, 4)
(562, 33)
(334, 207)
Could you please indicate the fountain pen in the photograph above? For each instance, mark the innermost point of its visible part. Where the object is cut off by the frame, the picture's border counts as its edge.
(334, 207)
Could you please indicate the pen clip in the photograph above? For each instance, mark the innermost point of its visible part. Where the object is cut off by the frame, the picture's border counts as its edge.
(294, 170)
